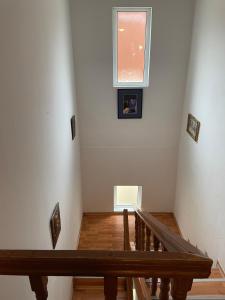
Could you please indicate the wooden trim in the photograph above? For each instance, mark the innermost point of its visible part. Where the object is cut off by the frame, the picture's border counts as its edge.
(103, 263)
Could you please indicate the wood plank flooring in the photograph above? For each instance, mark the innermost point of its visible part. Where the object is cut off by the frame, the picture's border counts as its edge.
(105, 232)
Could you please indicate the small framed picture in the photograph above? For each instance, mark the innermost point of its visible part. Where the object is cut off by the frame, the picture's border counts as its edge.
(55, 225)
(193, 127)
(130, 103)
(73, 127)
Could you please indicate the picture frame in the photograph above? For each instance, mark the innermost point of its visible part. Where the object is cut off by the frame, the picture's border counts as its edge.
(55, 225)
(130, 103)
(193, 127)
(73, 127)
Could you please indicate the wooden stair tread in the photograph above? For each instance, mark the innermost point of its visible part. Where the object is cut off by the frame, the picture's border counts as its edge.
(95, 295)
(93, 288)
(80, 283)
(208, 288)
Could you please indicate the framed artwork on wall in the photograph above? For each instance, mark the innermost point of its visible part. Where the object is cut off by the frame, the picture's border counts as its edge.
(130, 103)
(55, 225)
(193, 127)
(73, 127)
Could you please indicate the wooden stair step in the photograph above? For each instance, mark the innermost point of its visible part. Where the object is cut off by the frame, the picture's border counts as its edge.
(95, 283)
(95, 295)
(208, 288)
(92, 288)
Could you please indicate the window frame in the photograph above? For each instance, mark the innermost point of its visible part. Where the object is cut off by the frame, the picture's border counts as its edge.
(130, 207)
(145, 82)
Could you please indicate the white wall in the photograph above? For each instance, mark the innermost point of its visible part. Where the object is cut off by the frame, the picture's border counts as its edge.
(39, 163)
(130, 152)
(200, 195)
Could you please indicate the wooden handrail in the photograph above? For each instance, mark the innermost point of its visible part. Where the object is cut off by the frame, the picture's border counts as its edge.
(170, 240)
(102, 263)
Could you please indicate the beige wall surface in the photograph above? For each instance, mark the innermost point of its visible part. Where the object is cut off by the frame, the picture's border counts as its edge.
(200, 194)
(130, 152)
(39, 163)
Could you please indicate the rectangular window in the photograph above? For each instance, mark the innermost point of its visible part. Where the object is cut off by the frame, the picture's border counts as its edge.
(128, 197)
(131, 46)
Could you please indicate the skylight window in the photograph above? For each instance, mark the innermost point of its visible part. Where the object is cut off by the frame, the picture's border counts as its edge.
(131, 46)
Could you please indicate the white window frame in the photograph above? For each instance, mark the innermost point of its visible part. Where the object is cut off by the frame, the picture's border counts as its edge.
(145, 82)
(121, 207)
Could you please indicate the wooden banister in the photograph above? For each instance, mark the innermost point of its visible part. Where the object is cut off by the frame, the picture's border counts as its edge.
(177, 263)
(154, 237)
(102, 263)
(170, 240)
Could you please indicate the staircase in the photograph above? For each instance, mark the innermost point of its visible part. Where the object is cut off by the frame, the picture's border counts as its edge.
(171, 263)
(93, 288)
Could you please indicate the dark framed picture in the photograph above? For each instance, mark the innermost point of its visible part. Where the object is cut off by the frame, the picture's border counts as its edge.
(193, 127)
(73, 127)
(55, 225)
(130, 103)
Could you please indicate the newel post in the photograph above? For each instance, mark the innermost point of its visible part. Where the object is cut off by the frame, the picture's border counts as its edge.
(180, 288)
(39, 287)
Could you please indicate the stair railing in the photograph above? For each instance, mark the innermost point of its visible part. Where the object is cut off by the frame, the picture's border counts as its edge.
(179, 267)
(152, 236)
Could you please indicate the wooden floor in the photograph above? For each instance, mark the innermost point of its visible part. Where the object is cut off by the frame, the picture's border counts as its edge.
(105, 232)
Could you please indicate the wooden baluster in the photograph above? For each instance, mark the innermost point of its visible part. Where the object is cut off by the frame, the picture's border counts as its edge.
(139, 233)
(148, 237)
(110, 288)
(142, 236)
(156, 243)
(129, 286)
(136, 231)
(155, 279)
(164, 289)
(39, 286)
(163, 248)
(180, 288)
